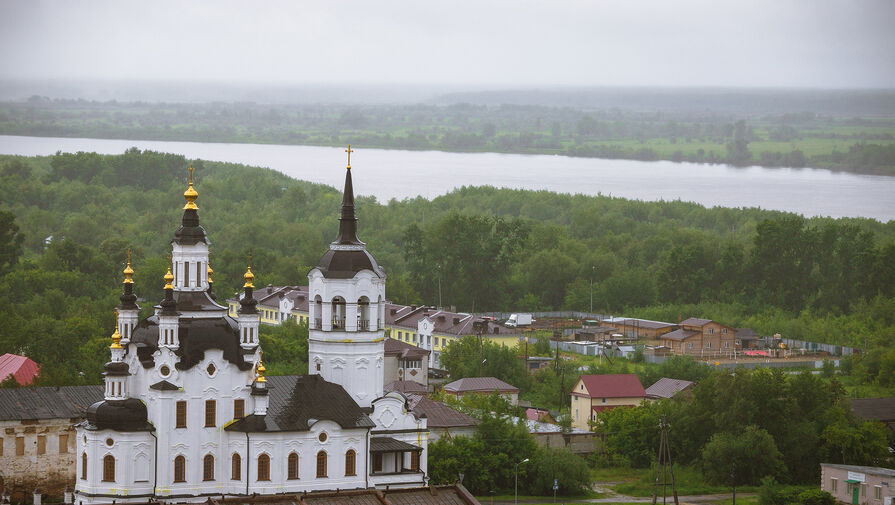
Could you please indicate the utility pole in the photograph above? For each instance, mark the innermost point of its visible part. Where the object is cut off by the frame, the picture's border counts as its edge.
(665, 466)
(592, 270)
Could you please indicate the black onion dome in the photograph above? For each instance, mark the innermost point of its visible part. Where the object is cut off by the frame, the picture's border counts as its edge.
(248, 303)
(345, 264)
(190, 231)
(128, 299)
(121, 415)
(116, 368)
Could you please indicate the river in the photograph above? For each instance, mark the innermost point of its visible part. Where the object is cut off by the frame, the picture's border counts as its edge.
(388, 174)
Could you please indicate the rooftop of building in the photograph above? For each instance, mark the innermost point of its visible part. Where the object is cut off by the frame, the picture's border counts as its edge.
(480, 384)
(612, 386)
(666, 387)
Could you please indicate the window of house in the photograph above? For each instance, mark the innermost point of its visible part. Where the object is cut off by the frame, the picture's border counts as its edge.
(41, 444)
(711, 331)
(708, 345)
(350, 458)
(239, 408)
(575, 398)
(689, 345)
(292, 467)
(863, 489)
(723, 330)
(208, 467)
(1, 446)
(20, 446)
(415, 460)
(264, 467)
(181, 415)
(877, 492)
(210, 407)
(321, 464)
(63, 445)
(377, 462)
(84, 465)
(236, 467)
(109, 468)
(179, 469)
(727, 345)
(604, 400)
(834, 485)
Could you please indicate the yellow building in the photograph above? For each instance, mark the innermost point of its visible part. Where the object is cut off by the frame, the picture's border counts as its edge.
(593, 394)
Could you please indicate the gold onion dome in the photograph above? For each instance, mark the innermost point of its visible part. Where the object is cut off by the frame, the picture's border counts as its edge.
(210, 271)
(168, 278)
(116, 337)
(128, 271)
(261, 371)
(249, 277)
(190, 194)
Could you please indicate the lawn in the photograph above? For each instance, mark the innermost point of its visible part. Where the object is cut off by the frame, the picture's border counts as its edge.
(641, 481)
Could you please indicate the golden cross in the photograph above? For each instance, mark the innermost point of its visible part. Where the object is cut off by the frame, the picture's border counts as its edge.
(128, 255)
(349, 151)
(249, 264)
(191, 173)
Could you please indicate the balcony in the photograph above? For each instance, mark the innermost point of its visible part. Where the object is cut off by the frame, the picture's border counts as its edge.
(363, 325)
(317, 324)
(338, 323)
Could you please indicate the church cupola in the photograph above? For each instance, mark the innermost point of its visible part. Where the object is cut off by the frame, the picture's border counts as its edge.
(190, 247)
(116, 370)
(210, 282)
(248, 319)
(347, 309)
(168, 317)
(260, 391)
(128, 311)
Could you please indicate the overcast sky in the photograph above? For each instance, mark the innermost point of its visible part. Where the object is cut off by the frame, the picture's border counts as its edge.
(479, 43)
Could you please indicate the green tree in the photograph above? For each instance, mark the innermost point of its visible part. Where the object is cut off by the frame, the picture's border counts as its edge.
(738, 459)
(10, 241)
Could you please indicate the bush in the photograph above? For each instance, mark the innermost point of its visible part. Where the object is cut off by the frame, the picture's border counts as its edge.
(816, 497)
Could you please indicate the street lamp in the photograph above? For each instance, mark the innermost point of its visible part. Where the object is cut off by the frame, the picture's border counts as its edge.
(516, 485)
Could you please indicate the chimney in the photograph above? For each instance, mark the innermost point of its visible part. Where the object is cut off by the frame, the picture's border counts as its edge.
(393, 311)
(456, 320)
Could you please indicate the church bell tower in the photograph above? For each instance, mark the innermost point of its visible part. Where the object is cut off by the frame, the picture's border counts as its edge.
(347, 310)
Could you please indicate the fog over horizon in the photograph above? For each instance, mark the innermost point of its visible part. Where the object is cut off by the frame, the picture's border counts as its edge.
(443, 47)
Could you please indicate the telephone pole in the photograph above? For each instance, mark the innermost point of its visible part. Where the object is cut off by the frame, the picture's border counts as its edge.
(665, 466)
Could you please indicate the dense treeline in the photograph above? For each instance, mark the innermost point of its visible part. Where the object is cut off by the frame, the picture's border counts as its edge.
(844, 141)
(750, 424)
(70, 218)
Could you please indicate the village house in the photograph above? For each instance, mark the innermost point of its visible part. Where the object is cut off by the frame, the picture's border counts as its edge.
(482, 386)
(22, 369)
(668, 388)
(37, 440)
(443, 420)
(639, 328)
(858, 485)
(405, 362)
(593, 394)
(702, 337)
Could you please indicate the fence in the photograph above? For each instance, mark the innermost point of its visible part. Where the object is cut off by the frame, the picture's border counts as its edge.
(559, 314)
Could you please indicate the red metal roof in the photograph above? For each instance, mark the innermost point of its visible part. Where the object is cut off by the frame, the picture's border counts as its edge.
(23, 369)
(613, 386)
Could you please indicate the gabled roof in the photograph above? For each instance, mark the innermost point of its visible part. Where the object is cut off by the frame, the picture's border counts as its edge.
(394, 347)
(405, 387)
(695, 321)
(666, 388)
(638, 323)
(65, 402)
(612, 386)
(438, 415)
(22, 368)
(747, 334)
(444, 322)
(480, 384)
(297, 400)
(680, 335)
(454, 494)
(881, 409)
(873, 470)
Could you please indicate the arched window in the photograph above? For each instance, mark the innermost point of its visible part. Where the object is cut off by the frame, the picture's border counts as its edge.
(318, 313)
(350, 458)
(84, 465)
(321, 464)
(338, 312)
(236, 467)
(179, 469)
(208, 467)
(264, 467)
(292, 467)
(363, 314)
(109, 468)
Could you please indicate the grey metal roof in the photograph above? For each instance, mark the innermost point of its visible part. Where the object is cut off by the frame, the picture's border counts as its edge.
(64, 402)
(389, 444)
(297, 400)
(438, 415)
(695, 321)
(680, 335)
(666, 388)
(395, 347)
(875, 470)
(487, 384)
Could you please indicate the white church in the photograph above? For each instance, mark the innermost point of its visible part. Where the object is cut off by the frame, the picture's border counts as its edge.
(188, 412)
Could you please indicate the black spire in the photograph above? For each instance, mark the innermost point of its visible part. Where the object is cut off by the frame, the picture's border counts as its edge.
(169, 305)
(348, 222)
(128, 299)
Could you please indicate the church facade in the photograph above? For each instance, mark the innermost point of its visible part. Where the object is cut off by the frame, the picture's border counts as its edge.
(188, 412)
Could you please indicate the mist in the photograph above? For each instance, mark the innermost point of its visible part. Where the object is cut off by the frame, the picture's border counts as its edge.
(430, 48)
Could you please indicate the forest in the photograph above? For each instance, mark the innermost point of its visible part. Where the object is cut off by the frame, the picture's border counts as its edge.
(850, 132)
(68, 220)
